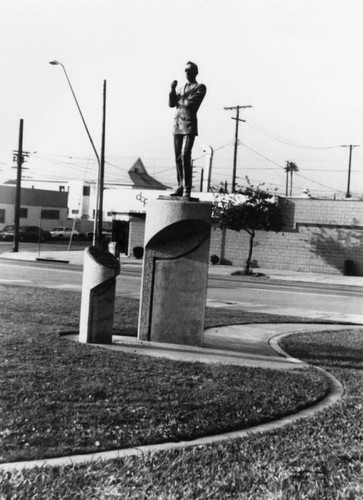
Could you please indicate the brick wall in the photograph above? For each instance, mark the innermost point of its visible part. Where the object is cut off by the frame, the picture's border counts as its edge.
(319, 236)
(330, 212)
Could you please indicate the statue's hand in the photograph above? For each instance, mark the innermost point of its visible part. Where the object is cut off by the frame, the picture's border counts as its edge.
(174, 83)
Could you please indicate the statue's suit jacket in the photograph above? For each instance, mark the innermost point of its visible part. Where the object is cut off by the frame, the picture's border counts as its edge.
(187, 101)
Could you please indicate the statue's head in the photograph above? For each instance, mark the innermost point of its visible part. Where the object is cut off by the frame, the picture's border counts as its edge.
(191, 70)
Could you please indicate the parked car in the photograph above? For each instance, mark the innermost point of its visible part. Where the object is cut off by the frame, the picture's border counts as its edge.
(106, 235)
(64, 233)
(7, 233)
(26, 233)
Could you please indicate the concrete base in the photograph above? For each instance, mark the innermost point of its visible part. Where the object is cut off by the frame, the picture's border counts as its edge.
(175, 273)
(178, 198)
(98, 296)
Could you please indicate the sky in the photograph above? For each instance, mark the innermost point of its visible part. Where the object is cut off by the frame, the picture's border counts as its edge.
(298, 63)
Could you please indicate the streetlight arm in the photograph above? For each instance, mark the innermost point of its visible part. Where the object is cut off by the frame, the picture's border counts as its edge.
(57, 63)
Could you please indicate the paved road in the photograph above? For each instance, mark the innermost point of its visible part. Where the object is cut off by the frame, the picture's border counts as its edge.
(313, 300)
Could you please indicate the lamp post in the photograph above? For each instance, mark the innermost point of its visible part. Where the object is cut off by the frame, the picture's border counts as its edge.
(97, 232)
(209, 162)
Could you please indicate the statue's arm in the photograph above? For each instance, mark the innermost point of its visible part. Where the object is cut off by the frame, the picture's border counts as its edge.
(196, 98)
(173, 99)
(173, 96)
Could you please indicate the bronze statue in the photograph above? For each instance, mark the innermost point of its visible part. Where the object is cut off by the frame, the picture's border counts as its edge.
(186, 100)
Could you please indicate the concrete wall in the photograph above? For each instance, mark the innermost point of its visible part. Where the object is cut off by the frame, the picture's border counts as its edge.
(319, 236)
(329, 212)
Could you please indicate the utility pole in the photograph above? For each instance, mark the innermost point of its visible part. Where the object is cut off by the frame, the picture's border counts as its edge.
(350, 146)
(19, 155)
(238, 119)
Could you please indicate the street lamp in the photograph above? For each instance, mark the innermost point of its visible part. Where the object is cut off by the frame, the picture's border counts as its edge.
(209, 161)
(97, 232)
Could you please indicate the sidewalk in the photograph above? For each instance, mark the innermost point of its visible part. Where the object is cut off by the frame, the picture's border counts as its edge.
(75, 257)
(240, 345)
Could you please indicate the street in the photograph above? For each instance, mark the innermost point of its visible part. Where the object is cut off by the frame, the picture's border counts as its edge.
(313, 300)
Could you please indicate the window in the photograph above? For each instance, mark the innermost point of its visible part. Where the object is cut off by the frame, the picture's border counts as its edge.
(2, 215)
(49, 214)
(23, 214)
(75, 212)
(86, 190)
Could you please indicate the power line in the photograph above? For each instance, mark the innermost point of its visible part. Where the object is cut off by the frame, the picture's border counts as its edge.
(214, 150)
(283, 140)
(318, 183)
(299, 175)
(262, 156)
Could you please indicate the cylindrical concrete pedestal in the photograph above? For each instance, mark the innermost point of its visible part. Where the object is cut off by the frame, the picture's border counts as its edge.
(98, 296)
(175, 272)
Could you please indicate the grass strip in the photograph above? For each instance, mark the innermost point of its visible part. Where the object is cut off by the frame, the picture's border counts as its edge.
(318, 458)
(60, 398)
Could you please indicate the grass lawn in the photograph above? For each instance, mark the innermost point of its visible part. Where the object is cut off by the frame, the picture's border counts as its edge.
(60, 396)
(318, 458)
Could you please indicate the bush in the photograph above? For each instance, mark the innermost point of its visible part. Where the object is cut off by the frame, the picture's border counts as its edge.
(138, 252)
(214, 259)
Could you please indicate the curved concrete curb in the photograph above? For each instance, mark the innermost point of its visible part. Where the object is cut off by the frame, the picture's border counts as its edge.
(336, 388)
(335, 393)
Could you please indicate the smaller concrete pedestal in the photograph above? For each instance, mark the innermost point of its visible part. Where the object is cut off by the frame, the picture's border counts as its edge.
(98, 296)
(175, 272)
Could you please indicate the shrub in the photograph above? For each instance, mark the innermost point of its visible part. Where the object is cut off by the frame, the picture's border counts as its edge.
(138, 252)
(214, 259)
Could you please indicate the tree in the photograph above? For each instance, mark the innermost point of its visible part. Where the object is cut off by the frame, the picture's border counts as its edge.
(254, 212)
(290, 168)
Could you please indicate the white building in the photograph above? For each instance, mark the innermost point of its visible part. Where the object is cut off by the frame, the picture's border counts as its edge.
(124, 203)
(38, 207)
(123, 196)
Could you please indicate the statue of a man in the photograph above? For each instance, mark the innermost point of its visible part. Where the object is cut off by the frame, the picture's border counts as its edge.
(186, 100)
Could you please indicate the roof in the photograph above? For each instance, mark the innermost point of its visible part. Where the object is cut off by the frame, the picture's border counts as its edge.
(118, 173)
(34, 197)
(141, 179)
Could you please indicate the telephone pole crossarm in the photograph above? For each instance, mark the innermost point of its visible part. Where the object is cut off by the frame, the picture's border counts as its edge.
(231, 108)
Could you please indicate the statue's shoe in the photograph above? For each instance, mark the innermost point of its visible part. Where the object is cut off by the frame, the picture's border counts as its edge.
(186, 193)
(177, 192)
